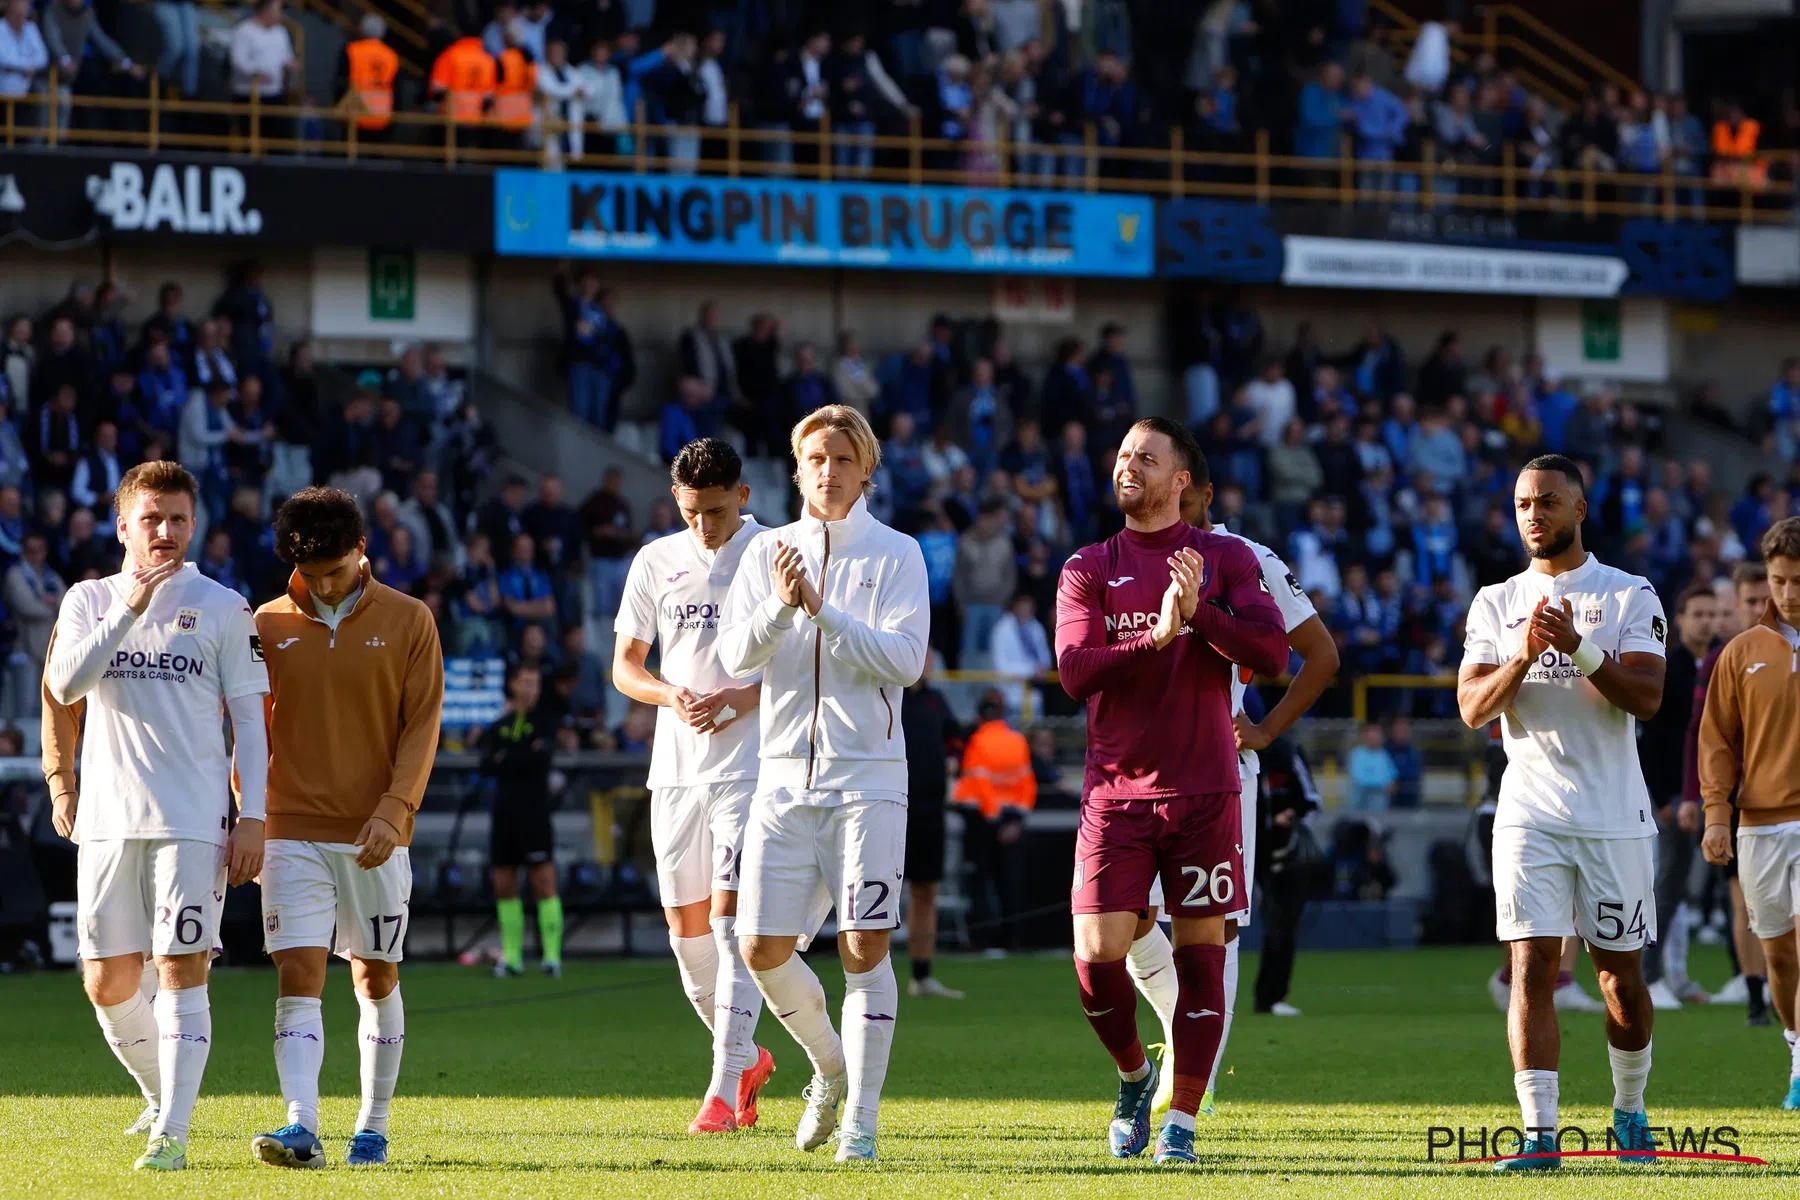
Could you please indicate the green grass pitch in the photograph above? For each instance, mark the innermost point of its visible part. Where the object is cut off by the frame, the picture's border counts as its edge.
(583, 1088)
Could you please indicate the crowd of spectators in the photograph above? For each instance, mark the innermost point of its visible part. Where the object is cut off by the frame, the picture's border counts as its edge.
(1041, 75)
(1383, 479)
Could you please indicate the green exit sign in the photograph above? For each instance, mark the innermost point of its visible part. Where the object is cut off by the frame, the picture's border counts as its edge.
(393, 284)
(1602, 331)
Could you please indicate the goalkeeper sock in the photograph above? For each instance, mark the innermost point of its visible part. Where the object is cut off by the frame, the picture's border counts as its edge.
(512, 932)
(550, 928)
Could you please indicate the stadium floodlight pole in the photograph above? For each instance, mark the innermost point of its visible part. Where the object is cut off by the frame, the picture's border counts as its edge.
(1571, 653)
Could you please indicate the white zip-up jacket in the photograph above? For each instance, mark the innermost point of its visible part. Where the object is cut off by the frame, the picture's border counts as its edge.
(831, 684)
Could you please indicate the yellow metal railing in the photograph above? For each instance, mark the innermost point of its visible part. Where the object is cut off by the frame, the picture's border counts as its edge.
(1562, 77)
(1171, 171)
(1359, 688)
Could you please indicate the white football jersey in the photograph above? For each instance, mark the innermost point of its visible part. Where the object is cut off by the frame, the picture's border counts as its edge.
(1296, 609)
(1571, 755)
(674, 595)
(154, 758)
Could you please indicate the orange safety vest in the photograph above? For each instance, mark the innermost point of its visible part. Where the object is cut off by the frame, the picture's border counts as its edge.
(465, 73)
(996, 771)
(1734, 154)
(373, 65)
(518, 85)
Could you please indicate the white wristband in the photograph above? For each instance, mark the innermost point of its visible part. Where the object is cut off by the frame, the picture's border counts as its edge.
(1587, 658)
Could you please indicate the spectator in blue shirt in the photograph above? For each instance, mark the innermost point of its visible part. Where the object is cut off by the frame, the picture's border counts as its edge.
(1751, 515)
(808, 387)
(1076, 480)
(526, 595)
(1379, 119)
(904, 459)
(937, 542)
(1438, 452)
(1319, 130)
(586, 348)
(1376, 368)
(1357, 619)
(1784, 410)
(1109, 355)
(164, 387)
(1400, 431)
(1434, 543)
(1555, 407)
(1409, 764)
(1111, 101)
(1370, 771)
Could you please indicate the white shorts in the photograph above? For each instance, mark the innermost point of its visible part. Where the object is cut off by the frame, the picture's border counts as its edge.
(1769, 872)
(1247, 820)
(143, 895)
(698, 835)
(310, 889)
(1555, 885)
(796, 854)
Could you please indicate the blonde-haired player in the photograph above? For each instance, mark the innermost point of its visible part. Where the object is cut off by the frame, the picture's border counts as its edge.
(158, 652)
(834, 611)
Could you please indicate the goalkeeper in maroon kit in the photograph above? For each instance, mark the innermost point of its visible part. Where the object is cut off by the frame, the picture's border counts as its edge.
(1148, 625)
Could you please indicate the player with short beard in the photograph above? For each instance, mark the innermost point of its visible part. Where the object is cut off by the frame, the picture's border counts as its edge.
(1570, 653)
(157, 651)
(1151, 960)
(1148, 626)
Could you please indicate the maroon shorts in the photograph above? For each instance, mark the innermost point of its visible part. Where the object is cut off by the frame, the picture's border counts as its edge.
(1193, 842)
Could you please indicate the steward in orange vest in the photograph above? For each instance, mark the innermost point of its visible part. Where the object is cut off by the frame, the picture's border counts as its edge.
(996, 770)
(515, 93)
(370, 66)
(463, 76)
(1734, 142)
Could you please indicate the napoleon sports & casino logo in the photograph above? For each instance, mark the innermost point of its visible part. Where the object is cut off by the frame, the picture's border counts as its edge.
(1464, 1145)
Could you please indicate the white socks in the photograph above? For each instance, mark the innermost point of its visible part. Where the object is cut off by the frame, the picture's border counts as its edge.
(184, 1021)
(871, 1001)
(147, 982)
(130, 1030)
(1537, 1102)
(299, 1053)
(381, 1036)
(1151, 963)
(698, 960)
(798, 1002)
(1630, 1072)
(1231, 987)
(736, 1006)
(1793, 1042)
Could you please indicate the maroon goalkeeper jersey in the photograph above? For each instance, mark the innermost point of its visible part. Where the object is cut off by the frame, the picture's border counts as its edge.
(1159, 721)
